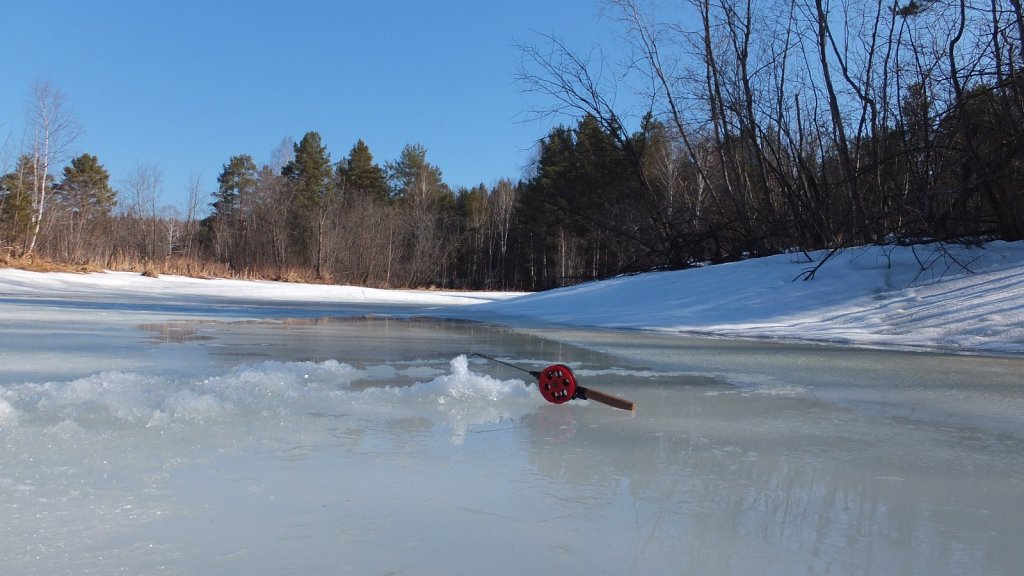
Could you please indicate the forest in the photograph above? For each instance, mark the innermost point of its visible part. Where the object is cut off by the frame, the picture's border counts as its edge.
(766, 127)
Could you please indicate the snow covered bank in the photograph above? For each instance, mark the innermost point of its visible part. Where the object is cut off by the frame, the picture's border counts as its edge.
(956, 298)
(135, 287)
(964, 299)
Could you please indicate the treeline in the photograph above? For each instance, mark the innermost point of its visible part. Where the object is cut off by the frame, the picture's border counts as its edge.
(355, 221)
(766, 127)
(306, 218)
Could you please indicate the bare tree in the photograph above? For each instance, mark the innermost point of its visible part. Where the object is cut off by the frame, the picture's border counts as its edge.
(142, 189)
(173, 228)
(282, 154)
(191, 216)
(504, 199)
(53, 128)
(270, 220)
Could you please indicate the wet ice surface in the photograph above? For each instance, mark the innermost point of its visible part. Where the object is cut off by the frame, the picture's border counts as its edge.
(142, 442)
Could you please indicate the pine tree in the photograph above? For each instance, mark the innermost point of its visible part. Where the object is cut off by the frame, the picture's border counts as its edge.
(85, 188)
(361, 175)
(82, 204)
(233, 202)
(312, 195)
(309, 172)
(582, 206)
(16, 189)
(237, 181)
(546, 210)
(412, 177)
(426, 209)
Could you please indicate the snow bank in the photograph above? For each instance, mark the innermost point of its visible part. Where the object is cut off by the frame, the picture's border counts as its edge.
(130, 285)
(957, 298)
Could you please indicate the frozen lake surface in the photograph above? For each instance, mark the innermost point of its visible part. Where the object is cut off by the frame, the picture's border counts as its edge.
(156, 438)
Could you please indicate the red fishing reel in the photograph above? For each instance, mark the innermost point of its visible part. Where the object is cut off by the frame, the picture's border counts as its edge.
(557, 383)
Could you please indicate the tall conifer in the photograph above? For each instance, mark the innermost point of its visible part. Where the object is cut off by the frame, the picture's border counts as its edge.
(86, 187)
(361, 175)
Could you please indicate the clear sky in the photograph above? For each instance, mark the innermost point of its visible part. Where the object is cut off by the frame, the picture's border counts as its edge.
(184, 85)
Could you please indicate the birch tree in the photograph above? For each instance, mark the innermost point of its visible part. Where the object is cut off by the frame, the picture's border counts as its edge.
(53, 128)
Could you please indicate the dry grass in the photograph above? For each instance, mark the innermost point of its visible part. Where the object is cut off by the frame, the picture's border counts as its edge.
(173, 267)
(295, 275)
(36, 264)
(193, 268)
(170, 266)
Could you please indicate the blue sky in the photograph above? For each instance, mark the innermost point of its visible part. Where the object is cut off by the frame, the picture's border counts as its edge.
(183, 85)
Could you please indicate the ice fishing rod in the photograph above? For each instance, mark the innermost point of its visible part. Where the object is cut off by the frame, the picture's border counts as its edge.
(558, 385)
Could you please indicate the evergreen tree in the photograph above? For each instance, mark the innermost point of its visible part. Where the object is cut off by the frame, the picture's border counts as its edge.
(83, 202)
(232, 205)
(412, 176)
(86, 188)
(309, 172)
(581, 207)
(359, 173)
(16, 190)
(310, 178)
(426, 208)
(236, 183)
(545, 210)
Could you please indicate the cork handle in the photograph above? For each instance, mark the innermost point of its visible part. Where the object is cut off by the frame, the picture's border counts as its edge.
(609, 400)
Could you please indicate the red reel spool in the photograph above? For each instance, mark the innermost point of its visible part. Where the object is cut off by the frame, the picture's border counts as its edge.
(557, 383)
